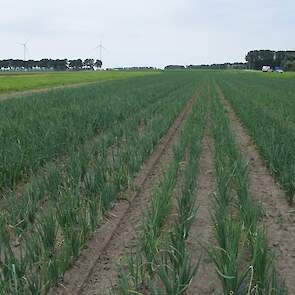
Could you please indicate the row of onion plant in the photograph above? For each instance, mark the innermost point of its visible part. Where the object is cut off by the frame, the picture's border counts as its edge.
(22, 206)
(77, 200)
(42, 127)
(266, 108)
(161, 262)
(242, 259)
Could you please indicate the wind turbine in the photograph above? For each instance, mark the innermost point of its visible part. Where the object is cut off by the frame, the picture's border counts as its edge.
(25, 47)
(101, 48)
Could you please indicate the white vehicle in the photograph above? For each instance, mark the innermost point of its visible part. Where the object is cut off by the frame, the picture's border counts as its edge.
(280, 71)
(266, 69)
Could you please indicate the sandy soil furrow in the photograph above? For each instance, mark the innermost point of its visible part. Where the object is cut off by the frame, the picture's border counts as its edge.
(96, 269)
(279, 217)
(201, 232)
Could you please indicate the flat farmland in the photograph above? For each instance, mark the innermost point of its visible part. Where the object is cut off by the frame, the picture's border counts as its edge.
(15, 82)
(175, 182)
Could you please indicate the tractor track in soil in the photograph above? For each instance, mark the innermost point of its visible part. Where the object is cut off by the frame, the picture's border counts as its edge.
(95, 271)
(279, 217)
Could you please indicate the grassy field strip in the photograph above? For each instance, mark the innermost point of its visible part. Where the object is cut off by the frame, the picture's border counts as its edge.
(37, 129)
(278, 219)
(274, 136)
(58, 235)
(25, 93)
(29, 81)
(21, 208)
(243, 262)
(162, 261)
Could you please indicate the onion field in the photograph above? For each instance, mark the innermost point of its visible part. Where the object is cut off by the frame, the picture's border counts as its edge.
(101, 189)
(20, 81)
(266, 108)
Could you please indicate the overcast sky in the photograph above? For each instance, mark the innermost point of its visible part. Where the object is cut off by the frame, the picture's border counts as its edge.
(146, 32)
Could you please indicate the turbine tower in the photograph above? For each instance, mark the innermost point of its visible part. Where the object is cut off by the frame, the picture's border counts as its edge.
(25, 47)
(101, 48)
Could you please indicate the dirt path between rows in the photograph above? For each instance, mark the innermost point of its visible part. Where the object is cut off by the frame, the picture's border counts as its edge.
(279, 217)
(96, 269)
(200, 235)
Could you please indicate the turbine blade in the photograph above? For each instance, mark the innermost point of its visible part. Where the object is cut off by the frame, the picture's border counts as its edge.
(28, 39)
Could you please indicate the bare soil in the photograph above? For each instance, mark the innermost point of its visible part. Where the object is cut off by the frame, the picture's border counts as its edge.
(279, 217)
(95, 272)
(201, 233)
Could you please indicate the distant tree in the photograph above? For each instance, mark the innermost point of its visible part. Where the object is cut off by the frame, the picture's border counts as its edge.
(288, 63)
(76, 64)
(44, 64)
(174, 67)
(6, 64)
(30, 64)
(88, 64)
(259, 58)
(224, 66)
(98, 63)
(60, 64)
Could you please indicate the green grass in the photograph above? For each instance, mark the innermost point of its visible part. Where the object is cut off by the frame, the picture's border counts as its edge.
(15, 82)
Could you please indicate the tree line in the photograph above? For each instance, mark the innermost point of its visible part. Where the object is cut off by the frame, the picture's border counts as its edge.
(258, 58)
(132, 69)
(223, 66)
(50, 64)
